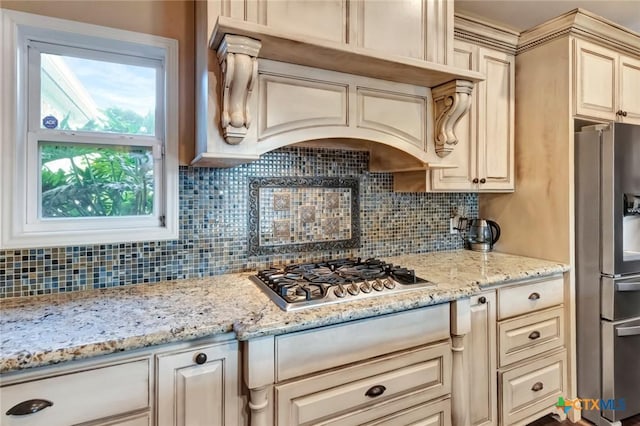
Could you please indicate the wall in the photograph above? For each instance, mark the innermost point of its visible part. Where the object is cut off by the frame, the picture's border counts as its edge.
(213, 229)
(173, 19)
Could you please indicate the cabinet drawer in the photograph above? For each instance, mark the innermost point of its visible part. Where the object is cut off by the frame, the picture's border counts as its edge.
(523, 337)
(345, 391)
(522, 299)
(433, 414)
(82, 396)
(532, 387)
(315, 350)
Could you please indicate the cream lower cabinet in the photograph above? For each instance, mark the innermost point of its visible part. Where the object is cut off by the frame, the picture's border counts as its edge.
(198, 385)
(195, 383)
(484, 154)
(532, 351)
(517, 353)
(116, 392)
(607, 83)
(481, 342)
(392, 369)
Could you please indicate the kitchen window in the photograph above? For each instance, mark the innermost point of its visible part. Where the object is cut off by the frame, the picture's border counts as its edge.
(89, 148)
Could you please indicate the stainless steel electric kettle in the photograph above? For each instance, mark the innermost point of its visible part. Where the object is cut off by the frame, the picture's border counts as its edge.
(482, 234)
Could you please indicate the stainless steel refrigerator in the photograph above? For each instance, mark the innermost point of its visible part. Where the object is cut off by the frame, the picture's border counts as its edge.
(607, 201)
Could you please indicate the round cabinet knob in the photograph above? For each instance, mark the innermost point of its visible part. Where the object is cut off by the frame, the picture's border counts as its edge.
(201, 358)
(619, 112)
(483, 180)
(482, 300)
(389, 284)
(340, 291)
(624, 113)
(353, 289)
(377, 285)
(475, 180)
(365, 287)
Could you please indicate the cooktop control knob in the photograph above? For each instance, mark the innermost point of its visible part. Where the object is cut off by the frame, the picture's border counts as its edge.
(377, 285)
(365, 287)
(340, 291)
(353, 289)
(389, 283)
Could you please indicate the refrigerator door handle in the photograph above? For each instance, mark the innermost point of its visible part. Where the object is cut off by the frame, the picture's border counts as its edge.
(628, 286)
(628, 331)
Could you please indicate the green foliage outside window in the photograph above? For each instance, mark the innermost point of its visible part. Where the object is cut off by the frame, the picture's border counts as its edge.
(83, 181)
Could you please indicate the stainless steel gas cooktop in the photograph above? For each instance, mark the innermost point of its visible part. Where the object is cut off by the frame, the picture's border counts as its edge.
(311, 284)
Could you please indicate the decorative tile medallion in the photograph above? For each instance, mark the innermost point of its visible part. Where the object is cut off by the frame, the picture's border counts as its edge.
(331, 225)
(333, 200)
(281, 201)
(308, 216)
(282, 228)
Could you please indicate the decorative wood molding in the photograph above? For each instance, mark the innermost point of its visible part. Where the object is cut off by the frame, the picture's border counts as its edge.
(451, 101)
(298, 49)
(258, 404)
(583, 24)
(481, 32)
(237, 57)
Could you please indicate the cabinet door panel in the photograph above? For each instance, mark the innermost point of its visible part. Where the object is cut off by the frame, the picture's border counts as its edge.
(495, 121)
(189, 393)
(396, 27)
(325, 19)
(482, 347)
(595, 83)
(460, 178)
(200, 388)
(630, 89)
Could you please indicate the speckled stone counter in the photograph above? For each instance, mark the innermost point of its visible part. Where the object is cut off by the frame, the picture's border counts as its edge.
(46, 330)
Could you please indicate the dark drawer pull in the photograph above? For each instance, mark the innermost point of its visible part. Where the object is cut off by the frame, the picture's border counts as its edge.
(534, 296)
(29, 407)
(537, 387)
(201, 358)
(534, 335)
(375, 391)
(482, 300)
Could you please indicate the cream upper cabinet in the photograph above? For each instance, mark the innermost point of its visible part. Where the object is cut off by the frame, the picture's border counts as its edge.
(496, 112)
(483, 401)
(484, 155)
(324, 19)
(607, 83)
(420, 29)
(198, 385)
(629, 89)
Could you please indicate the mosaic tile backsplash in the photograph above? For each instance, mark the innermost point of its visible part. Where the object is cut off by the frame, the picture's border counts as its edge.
(214, 230)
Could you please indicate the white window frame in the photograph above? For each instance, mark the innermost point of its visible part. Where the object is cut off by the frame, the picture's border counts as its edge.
(21, 225)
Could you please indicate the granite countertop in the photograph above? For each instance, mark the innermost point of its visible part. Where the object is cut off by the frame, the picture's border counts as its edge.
(50, 329)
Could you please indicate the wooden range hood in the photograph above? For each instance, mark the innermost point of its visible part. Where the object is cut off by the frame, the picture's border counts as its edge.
(279, 88)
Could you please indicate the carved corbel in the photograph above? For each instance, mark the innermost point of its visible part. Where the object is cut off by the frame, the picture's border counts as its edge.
(451, 101)
(237, 56)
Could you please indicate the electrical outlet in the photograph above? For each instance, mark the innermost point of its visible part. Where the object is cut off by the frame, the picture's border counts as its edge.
(453, 225)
